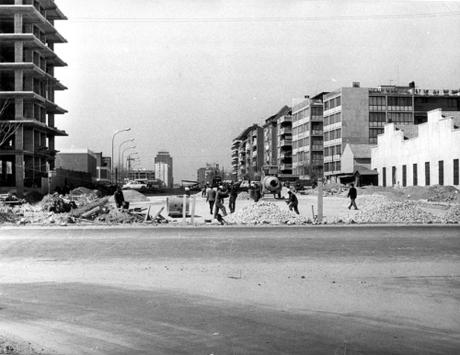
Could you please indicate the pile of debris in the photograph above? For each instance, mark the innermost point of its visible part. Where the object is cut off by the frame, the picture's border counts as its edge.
(452, 215)
(264, 212)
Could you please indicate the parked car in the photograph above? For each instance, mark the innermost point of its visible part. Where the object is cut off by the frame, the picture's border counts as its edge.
(135, 185)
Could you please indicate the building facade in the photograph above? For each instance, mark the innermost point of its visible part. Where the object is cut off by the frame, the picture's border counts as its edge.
(248, 148)
(27, 87)
(206, 174)
(307, 138)
(430, 158)
(162, 173)
(164, 157)
(82, 160)
(355, 115)
(142, 174)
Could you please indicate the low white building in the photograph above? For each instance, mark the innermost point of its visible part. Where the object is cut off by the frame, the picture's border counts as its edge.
(428, 157)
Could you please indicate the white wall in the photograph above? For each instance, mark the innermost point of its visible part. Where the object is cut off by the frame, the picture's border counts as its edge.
(437, 140)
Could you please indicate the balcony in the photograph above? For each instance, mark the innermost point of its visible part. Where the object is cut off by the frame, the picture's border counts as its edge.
(285, 119)
(316, 132)
(316, 119)
(285, 142)
(317, 147)
(285, 167)
(285, 130)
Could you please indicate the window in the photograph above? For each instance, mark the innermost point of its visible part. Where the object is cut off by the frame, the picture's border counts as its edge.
(427, 173)
(393, 175)
(373, 133)
(441, 172)
(401, 117)
(384, 177)
(377, 119)
(455, 171)
(414, 175)
(377, 103)
(404, 175)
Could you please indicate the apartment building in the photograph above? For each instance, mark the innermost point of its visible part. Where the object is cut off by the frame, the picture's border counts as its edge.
(27, 87)
(430, 157)
(307, 138)
(248, 153)
(164, 157)
(81, 160)
(355, 115)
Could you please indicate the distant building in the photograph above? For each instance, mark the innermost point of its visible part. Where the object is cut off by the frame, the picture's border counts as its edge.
(355, 115)
(356, 165)
(164, 157)
(162, 173)
(307, 138)
(428, 157)
(142, 174)
(206, 174)
(27, 88)
(248, 153)
(81, 160)
(103, 165)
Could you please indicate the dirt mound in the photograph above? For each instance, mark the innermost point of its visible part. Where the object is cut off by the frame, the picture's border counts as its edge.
(436, 193)
(264, 212)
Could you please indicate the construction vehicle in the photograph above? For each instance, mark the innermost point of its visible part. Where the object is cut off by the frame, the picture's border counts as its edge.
(270, 183)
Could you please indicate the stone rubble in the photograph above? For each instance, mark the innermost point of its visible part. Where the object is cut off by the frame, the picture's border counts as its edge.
(264, 212)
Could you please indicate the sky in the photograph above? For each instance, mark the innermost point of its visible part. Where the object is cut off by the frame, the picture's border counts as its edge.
(188, 76)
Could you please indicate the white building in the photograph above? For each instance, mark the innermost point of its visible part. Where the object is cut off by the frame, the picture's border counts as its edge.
(162, 173)
(431, 157)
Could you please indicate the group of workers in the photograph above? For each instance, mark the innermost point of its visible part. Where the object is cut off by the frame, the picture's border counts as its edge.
(215, 197)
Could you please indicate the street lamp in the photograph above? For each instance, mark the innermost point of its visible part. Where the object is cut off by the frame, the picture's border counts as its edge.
(119, 149)
(113, 139)
(123, 155)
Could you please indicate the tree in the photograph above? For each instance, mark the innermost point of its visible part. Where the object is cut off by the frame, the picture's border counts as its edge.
(7, 127)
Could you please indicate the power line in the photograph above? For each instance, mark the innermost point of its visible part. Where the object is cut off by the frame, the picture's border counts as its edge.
(265, 19)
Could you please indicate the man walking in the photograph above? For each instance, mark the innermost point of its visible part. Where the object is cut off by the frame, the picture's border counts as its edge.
(220, 196)
(352, 193)
(293, 202)
(233, 196)
(211, 199)
(119, 198)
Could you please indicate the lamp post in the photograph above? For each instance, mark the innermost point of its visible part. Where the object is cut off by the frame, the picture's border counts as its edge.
(123, 155)
(119, 150)
(113, 139)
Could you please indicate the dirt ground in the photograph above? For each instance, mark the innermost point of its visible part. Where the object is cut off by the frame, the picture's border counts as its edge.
(353, 290)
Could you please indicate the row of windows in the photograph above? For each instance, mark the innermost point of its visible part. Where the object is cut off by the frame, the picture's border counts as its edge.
(427, 172)
(334, 150)
(337, 101)
(300, 129)
(333, 166)
(299, 115)
(335, 134)
(301, 143)
(332, 119)
(400, 117)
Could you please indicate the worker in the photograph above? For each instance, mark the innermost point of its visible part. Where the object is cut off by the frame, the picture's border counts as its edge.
(352, 194)
(221, 194)
(257, 192)
(234, 190)
(119, 198)
(211, 199)
(293, 202)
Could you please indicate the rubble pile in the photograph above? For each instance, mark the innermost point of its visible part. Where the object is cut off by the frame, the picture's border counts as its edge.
(8, 216)
(452, 215)
(400, 212)
(264, 212)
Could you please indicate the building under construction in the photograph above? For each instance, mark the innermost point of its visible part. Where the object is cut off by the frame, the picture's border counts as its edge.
(27, 87)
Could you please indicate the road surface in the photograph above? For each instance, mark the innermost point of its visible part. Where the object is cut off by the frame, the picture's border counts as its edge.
(326, 290)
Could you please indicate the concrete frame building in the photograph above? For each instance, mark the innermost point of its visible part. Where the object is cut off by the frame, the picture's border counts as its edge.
(307, 138)
(429, 158)
(355, 115)
(27, 86)
(249, 147)
(164, 157)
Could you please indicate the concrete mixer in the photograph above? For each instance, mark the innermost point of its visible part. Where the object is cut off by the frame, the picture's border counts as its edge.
(271, 185)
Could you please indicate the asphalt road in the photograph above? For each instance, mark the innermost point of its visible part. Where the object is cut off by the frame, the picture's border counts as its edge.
(333, 290)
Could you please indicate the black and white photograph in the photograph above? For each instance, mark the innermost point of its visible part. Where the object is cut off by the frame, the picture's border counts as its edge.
(213, 177)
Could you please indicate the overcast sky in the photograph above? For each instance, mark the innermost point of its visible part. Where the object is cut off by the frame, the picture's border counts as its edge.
(188, 76)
